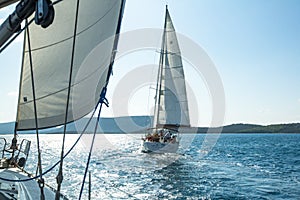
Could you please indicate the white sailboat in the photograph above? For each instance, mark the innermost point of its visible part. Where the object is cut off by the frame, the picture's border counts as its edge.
(171, 105)
(60, 81)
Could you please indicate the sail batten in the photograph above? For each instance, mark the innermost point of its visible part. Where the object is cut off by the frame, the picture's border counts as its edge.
(51, 49)
(171, 107)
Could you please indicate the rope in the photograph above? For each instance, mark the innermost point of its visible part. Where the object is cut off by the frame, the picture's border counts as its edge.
(59, 177)
(19, 32)
(102, 101)
(16, 35)
(69, 151)
(41, 180)
(90, 153)
(53, 166)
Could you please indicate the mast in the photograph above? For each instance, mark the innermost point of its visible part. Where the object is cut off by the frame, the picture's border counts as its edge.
(159, 75)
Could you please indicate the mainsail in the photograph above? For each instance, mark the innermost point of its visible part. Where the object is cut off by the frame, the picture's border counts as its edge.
(54, 51)
(171, 106)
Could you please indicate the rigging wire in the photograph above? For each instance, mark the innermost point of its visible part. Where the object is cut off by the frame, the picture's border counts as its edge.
(53, 166)
(3, 48)
(83, 131)
(16, 35)
(102, 101)
(59, 177)
(40, 180)
(69, 151)
(20, 31)
(149, 94)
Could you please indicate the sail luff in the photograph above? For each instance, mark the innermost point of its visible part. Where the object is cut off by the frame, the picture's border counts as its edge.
(116, 41)
(20, 83)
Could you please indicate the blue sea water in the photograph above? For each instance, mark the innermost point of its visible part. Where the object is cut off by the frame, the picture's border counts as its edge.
(232, 166)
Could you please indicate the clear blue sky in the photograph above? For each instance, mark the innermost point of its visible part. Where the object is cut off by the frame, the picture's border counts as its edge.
(255, 46)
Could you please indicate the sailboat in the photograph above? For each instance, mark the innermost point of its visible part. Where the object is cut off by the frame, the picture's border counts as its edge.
(171, 106)
(68, 55)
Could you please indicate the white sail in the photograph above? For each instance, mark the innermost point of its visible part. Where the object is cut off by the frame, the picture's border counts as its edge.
(171, 109)
(52, 59)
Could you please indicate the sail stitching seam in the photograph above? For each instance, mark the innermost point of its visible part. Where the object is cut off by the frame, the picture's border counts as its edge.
(79, 33)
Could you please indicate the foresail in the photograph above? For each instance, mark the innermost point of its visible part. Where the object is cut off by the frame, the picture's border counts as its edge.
(172, 105)
(52, 59)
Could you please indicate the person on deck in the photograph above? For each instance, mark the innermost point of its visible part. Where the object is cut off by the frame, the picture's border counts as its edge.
(167, 136)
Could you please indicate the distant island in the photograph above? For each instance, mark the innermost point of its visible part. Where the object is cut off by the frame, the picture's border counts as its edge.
(138, 124)
(253, 128)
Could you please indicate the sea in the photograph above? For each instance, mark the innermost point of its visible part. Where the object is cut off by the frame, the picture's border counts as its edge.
(207, 166)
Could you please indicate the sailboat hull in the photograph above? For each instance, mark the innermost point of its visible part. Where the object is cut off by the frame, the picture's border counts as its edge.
(171, 104)
(28, 190)
(159, 147)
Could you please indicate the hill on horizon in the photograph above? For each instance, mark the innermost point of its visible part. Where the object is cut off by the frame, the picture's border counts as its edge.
(138, 124)
(254, 128)
(106, 125)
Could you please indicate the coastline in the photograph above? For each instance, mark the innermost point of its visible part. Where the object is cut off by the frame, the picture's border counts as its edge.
(139, 125)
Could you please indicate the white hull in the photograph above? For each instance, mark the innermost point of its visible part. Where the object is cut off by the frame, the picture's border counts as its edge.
(28, 190)
(159, 147)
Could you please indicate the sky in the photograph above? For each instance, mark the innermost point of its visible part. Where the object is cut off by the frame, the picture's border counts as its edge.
(254, 45)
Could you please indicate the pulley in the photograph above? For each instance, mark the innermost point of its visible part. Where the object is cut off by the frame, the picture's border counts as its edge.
(44, 13)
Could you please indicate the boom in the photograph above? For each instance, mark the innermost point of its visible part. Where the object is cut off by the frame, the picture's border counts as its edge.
(44, 16)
